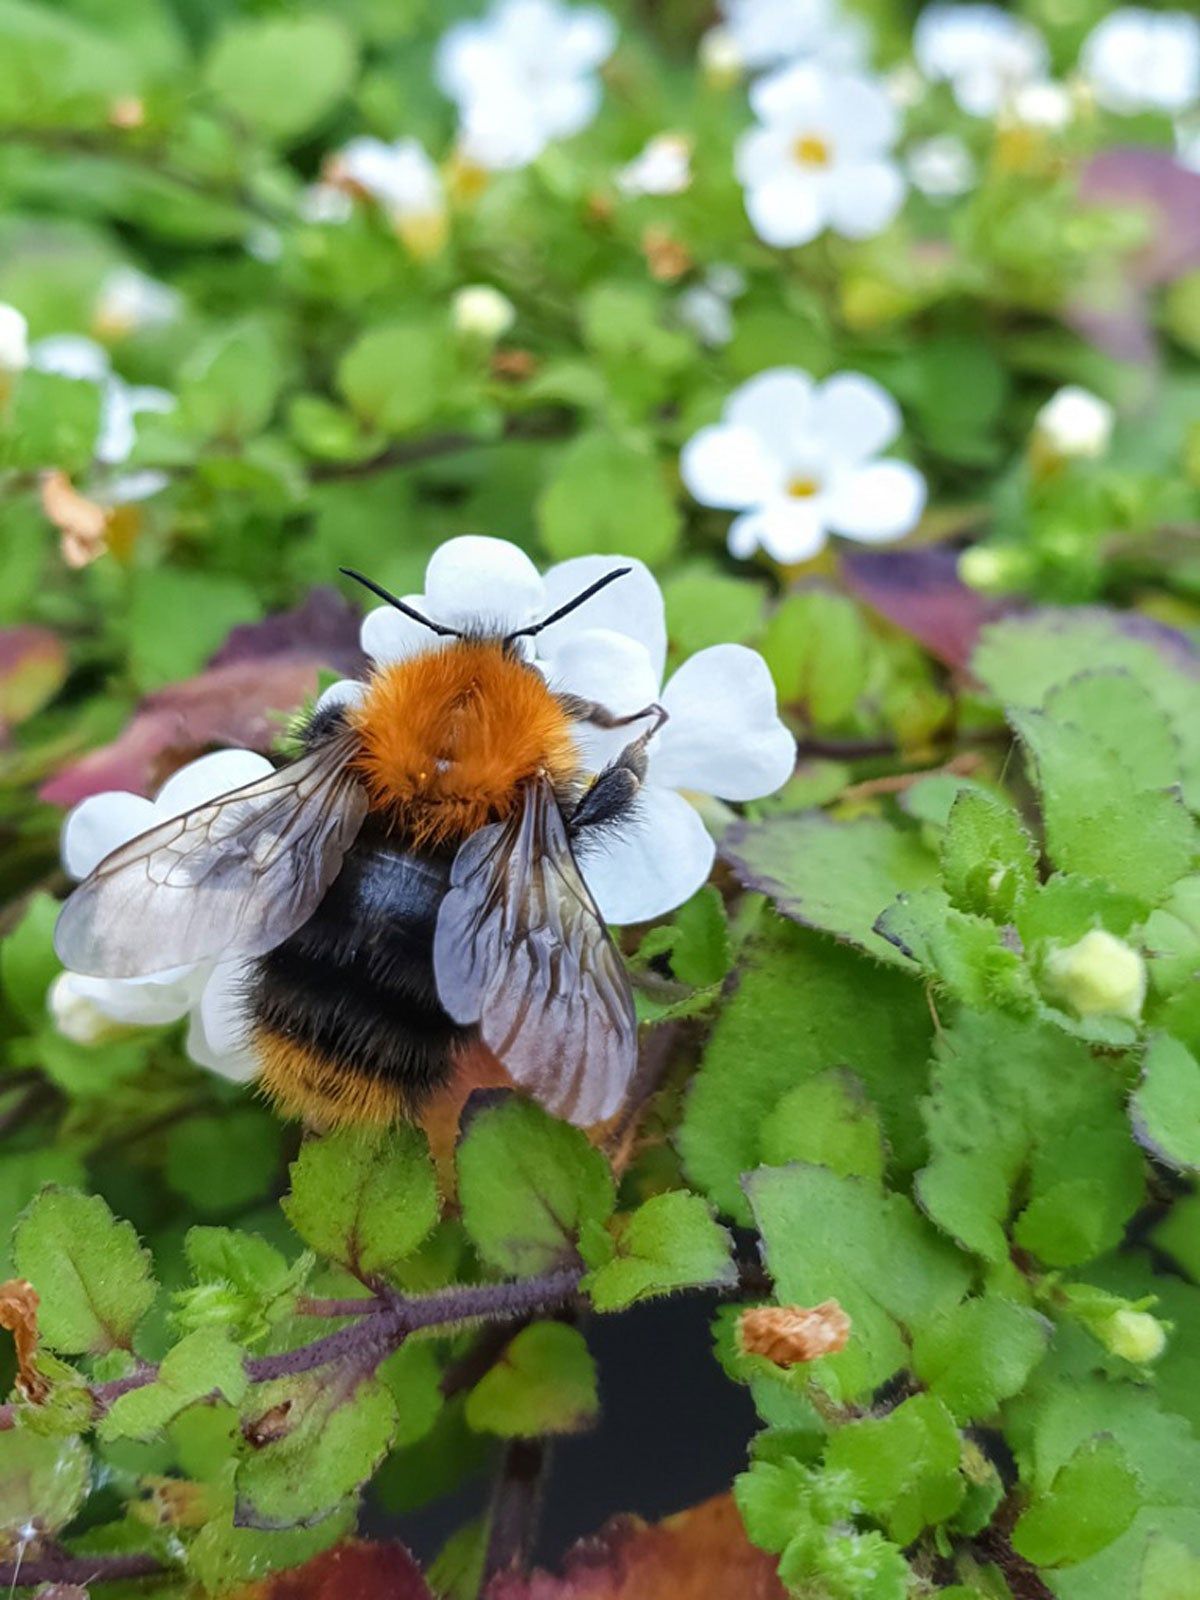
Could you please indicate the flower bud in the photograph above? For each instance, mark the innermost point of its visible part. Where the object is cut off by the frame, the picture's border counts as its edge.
(993, 568)
(1098, 976)
(76, 1016)
(1075, 424)
(1135, 1336)
(14, 340)
(720, 59)
(481, 312)
(791, 1335)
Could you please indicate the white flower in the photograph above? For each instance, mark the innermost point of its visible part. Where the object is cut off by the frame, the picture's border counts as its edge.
(1075, 423)
(663, 167)
(941, 167)
(522, 76)
(14, 339)
(71, 355)
(1139, 60)
(1187, 143)
(706, 307)
(721, 61)
(1043, 104)
(724, 736)
(984, 53)
(820, 157)
(481, 312)
(1098, 976)
(325, 204)
(130, 301)
(768, 32)
(207, 994)
(797, 460)
(399, 177)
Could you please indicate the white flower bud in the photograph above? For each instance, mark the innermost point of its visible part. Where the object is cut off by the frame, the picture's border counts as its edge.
(1075, 423)
(1133, 1335)
(1043, 105)
(481, 312)
(721, 60)
(76, 1016)
(14, 340)
(1098, 976)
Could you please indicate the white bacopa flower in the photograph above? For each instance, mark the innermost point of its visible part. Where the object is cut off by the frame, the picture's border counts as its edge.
(1075, 423)
(941, 168)
(707, 307)
(14, 340)
(820, 157)
(769, 32)
(479, 311)
(797, 460)
(401, 179)
(1043, 104)
(129, 301)
(71, 355)
(724, 736)
(207, 994)
(984, 53)
(1140, 60)
(663, 167)
(522, 76)
(721, 61)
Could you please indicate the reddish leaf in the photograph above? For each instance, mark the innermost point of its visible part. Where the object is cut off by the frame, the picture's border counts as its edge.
(33, 666)
(701, 1554)
(324, 625)
(353, 1571)
(921, 593)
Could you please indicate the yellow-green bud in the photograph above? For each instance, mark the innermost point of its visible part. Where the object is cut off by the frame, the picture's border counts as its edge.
(1133, 1335)
(1098, 976)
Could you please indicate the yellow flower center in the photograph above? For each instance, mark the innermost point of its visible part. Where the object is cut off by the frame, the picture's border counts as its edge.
(810, 150)
(803, 488)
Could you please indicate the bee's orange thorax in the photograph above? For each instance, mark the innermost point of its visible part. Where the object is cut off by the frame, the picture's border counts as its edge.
(448, 736)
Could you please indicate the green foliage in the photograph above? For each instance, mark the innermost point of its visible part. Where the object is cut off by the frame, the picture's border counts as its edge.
(670, 1242)
(545, 1382)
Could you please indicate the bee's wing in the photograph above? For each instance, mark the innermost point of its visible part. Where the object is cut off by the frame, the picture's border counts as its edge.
(521, 949)
(233, 877)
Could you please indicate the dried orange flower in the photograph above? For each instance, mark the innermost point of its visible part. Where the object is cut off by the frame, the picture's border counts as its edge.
(790, 1335)
(18, 1313)
(126, 112)
(667, 257)
(82, 523)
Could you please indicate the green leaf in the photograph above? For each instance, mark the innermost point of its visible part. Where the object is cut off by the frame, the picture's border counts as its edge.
(819, 653)
(706, 607)
(395, 375)
(608, 497)
(28, 964)
(545, 1382)
(1166, 1104)
(979, 1353)
(55, 71)
(177, 619)
(230, 383)
(828, 1237)
(44, 1480)
(527, 1183)
(903, 1467)
(220, 1164)
(53, 422)
(701, 953)
(988, 859)
(224, 1556)
(243, 1283)
(203, 1363)
(670, 1242)
(364, 1197)
(309, 1441)
(1170, 1571)
(802, 1004)
(965, 954)
(91, 1273)
(828, 1121)
(414, 1375)
(836, 876)
(1022, 1115)
(282, 74)
(1093, 1499)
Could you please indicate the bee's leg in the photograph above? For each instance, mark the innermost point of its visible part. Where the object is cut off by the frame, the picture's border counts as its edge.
(616, 787)
(582, 710)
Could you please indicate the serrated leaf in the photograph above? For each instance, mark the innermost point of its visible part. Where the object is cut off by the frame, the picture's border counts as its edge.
(836, 876)
(670, 1242)
(203, 1363)
(527, 1184)
(988, 860)
(827, 1237)
(965, 954)
(1092, 1500)
(904, 1467)
(828, 1121)
(365, 1198)
(545, 1382)
(608, 496)
(224, 1556)
(1166, 1104)
(979, 1353)
(28, 964)
(801, 1005)
(90, 1271)
(701, 954)
(44, 1480)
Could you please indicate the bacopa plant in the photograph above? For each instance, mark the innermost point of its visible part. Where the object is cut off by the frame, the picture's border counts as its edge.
(863, 345)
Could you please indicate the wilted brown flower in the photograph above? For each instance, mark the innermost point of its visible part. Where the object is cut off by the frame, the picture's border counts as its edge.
(18, 1313)
(791, 1335)
(82, 523)
(667, 257)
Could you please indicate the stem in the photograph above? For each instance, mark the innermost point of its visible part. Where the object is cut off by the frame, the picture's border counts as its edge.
(516, 1504)
(412, 452)
(59, 1567)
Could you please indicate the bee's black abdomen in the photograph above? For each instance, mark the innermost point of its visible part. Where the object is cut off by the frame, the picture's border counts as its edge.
(353, 990)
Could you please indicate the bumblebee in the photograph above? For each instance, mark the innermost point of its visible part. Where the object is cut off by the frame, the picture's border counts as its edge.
(405, 888)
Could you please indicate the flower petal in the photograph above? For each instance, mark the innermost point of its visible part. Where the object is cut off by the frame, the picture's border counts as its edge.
(219, 1033)
(651, 865)
(729, 466)
(602, 664)
(724, 736)
(788, 530)
(345, 692)
(859, 117)
(203, 780)
(865, 197)
(388, 635)
(632, 605)
(877, 503)
(475, 580)
(139, 1002)
(789, 209)
(99, 824)
(855, 417)
(776, 405)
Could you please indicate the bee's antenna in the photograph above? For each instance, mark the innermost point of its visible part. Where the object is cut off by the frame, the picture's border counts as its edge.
(557, 616)
(402, 605)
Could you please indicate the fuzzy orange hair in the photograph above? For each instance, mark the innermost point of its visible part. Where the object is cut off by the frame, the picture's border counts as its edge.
(448, 736)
